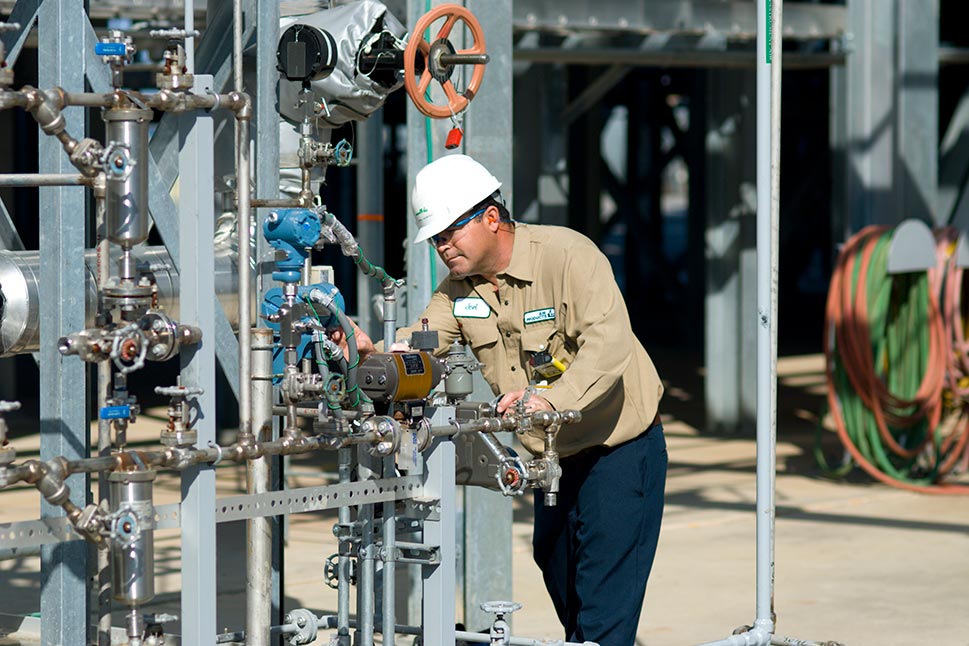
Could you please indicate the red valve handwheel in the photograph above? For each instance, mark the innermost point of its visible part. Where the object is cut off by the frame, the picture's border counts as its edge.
(416, 88)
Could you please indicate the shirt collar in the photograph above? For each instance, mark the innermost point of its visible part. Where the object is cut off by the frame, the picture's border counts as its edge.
(520, 266)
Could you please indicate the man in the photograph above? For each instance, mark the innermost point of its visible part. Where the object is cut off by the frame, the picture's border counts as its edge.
(532, 300)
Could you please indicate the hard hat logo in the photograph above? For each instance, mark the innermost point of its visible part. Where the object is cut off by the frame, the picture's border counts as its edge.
(446, 189)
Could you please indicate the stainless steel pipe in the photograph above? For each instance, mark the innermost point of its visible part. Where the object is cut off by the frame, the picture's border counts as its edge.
(20, 292)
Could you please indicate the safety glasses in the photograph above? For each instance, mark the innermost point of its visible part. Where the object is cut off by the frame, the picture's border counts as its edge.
(445, 235)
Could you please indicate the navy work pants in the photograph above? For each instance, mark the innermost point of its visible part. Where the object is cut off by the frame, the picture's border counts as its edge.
(596, 546)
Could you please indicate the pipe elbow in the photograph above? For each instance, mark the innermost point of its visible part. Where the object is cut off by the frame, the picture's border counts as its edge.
(242, 105)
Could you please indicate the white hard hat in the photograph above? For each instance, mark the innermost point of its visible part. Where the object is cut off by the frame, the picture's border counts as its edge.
(446, 189)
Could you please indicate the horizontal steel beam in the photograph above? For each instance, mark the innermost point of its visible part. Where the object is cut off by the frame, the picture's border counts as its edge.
(735, 20)
(656, 58)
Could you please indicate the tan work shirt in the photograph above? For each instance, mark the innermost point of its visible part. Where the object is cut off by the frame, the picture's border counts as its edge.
(558, 295)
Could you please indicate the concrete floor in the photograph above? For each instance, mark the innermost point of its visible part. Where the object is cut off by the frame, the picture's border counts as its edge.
(856, 562)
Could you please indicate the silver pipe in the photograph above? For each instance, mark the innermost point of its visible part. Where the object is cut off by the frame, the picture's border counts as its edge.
(245, 271)
(275, 204)
(237, 45)
(189, 38)
(20, 290)
(485, 638)
(104, 438)
(768, 186)
(42, 179)
(259, 530)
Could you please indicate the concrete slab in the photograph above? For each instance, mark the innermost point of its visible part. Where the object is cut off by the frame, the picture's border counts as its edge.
(856, 562)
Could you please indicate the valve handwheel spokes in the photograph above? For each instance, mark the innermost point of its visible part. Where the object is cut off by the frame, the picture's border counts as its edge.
(440, 58)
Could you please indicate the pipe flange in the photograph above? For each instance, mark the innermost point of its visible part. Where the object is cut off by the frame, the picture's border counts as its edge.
(306, 624)
(6, 76)
(7, 455)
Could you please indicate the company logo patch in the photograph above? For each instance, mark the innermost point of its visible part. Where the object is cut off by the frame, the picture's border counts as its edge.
(471, 308)
(537, 316)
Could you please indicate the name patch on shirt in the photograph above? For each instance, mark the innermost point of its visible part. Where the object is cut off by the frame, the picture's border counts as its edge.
(471, 308)
(537, 316)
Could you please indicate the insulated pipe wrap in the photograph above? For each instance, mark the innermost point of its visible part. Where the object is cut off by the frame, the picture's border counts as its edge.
(20, 292)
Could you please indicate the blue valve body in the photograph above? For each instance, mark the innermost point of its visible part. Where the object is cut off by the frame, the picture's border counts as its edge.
(116, 412)
(293, 232)
(274, 300)
(110, 49)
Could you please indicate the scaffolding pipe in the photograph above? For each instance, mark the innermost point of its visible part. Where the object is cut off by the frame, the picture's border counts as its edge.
(259, 530)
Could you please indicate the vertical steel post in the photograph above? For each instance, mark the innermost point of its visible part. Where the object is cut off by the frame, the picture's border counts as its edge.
(731, 264)
(196, 223)
(917, 169)
(63, 420)
(871, 110)
(425, 143)
(439, 580)
(486, 531)
(370, 213)
(768, 187)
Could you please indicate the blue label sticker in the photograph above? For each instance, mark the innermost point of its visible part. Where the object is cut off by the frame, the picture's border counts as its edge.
(116, 412)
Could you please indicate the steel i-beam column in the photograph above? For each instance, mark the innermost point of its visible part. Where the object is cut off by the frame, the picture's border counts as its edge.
(370, 214)
(729, 247)
(197, 219)
(63, 420)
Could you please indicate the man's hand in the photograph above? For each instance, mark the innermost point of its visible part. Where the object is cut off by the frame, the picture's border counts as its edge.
(533, 404)
(365, 346)
(401, 346)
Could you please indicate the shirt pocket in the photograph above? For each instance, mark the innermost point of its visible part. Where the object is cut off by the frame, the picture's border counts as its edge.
(536, 339)
(479, 334)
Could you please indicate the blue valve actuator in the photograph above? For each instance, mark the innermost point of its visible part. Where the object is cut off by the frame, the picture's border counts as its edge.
(293, 232)
(111, 49)
(116, 412)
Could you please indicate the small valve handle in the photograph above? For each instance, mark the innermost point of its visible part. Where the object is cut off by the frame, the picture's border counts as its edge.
(500, 608)
(179, 391)
(174, 34)
(8, 406)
